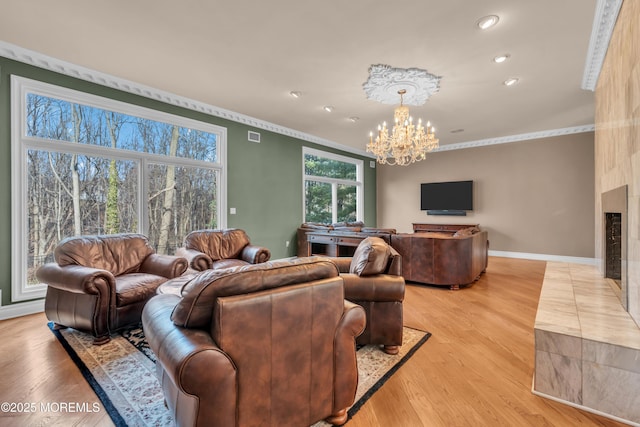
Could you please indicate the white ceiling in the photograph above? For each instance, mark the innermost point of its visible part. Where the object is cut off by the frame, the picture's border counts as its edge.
(246, 56)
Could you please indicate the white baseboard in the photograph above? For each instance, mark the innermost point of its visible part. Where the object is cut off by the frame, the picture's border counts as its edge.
(20, 309)
(543, 257)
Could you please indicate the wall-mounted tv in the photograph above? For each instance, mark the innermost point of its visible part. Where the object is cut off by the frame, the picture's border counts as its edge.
(446, 198)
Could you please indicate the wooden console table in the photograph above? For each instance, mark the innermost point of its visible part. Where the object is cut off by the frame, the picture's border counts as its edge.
(419, 227)
(332, 244)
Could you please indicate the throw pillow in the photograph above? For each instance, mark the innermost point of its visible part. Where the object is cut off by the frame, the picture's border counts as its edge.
(371, 257)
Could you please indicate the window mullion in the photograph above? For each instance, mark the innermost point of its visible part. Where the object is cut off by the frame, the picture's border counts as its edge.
(334, 202)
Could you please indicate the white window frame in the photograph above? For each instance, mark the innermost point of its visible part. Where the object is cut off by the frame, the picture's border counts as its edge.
(359, 182)
(21, 143)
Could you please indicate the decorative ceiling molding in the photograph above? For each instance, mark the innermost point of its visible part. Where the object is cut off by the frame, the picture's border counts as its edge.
(52, 64)
(39, 60)
(384, 82)
(603, 23)
(517, 138)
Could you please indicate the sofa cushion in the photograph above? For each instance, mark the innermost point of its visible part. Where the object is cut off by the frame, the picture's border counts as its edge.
(136, 287)
(463, 232)
(116, 253)
(195, 309)
(371, 257)
(218, 244)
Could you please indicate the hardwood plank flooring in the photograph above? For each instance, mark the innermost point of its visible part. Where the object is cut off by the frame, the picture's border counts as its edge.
(476, 369)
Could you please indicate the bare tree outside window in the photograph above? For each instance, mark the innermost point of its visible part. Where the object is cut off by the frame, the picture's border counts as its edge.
(83, 169)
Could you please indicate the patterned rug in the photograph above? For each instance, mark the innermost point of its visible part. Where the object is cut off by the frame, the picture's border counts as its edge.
(122, 373)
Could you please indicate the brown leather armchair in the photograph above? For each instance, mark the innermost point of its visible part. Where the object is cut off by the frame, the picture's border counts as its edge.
(260, 345)
(99, 284)
(207, 249)
(373, 279)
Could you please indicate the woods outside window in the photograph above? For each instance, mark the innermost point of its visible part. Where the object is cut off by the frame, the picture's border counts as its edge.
(83, 164)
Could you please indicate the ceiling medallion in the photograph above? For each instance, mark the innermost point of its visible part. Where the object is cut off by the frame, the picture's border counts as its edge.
(385, 82)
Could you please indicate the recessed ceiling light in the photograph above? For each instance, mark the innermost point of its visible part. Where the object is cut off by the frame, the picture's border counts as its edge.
(295, 94)
(487, 22)
(501, 58)
(354, 119)
(328, 108)
(457, 130)
(510, 81)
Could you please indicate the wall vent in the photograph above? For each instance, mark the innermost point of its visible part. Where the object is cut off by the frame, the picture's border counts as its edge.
(253, 136)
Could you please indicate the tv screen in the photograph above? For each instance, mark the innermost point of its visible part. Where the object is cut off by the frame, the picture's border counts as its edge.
(446, 196)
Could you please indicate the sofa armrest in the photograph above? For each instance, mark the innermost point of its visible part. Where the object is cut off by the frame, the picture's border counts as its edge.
(395, 263)
(197, 260)
(350, 327)
(192, 361)
(164, 265)
(77, 279)
(343, 263)
(255, 254)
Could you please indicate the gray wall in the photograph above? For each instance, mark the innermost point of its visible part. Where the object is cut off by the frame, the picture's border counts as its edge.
(533, 196)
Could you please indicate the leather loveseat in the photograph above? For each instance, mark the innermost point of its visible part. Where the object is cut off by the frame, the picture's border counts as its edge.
(260, 345)
(451, 259)
(100, 283)
(339, 229)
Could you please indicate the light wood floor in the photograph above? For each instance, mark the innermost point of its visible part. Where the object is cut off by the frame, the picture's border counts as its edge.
(475, 370)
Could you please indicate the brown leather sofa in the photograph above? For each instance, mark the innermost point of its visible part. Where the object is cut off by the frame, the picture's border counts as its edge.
(260, 345)
(356, 228)
(206, 249)
(373, 279)
(451, 259)
(99, 284)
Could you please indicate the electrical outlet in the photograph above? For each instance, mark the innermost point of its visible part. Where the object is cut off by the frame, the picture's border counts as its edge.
(286, 244)
(232, 211)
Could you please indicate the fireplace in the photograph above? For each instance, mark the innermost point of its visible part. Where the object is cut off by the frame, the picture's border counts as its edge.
(613, 246)
(614, 239)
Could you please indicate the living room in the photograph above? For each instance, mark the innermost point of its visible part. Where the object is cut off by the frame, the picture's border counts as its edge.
(537, 196)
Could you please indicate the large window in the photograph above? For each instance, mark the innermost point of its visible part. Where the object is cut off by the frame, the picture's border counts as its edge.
(333, 187)
(83, 164)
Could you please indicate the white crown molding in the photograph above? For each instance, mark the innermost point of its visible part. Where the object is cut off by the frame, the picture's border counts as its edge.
(603, 23)
(52, 64)
(39, 60)
(517, 138)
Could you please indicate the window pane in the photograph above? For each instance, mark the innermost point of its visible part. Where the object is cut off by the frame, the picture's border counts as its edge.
(328, 168)
(181, 199)
(347, 198)
(317, 202)
(70, 195)
(57, 119)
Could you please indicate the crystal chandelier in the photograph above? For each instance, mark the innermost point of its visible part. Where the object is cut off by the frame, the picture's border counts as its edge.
(407, 143)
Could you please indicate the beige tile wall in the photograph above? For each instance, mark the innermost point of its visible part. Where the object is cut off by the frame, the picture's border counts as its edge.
(617, 138)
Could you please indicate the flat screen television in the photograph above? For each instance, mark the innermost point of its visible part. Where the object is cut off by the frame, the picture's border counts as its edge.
(453, 198)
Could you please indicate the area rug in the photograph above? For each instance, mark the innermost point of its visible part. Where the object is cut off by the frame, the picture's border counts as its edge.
(122, 373)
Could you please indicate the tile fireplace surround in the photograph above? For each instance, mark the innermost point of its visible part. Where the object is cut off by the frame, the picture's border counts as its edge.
(587, 345)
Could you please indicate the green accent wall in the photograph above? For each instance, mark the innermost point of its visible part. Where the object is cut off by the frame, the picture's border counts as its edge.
(264, 181)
